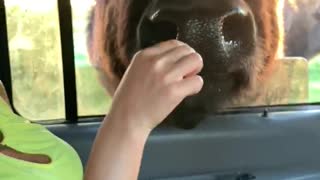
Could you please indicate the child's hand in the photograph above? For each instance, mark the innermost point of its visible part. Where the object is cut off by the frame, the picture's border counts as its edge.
(157, 80)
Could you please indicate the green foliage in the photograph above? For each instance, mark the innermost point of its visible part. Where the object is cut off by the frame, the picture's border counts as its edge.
(35, 55)
(36, 63)
(314, 80)
(92, 98)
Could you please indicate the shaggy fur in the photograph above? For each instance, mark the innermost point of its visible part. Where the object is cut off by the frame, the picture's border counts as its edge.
(112, 40)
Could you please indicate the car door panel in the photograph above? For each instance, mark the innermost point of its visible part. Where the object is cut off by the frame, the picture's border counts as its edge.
(283, 145)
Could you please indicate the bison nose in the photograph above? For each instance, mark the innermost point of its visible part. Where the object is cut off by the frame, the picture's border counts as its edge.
(203, 24)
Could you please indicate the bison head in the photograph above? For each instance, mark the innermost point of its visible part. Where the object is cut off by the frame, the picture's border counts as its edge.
(239, 41)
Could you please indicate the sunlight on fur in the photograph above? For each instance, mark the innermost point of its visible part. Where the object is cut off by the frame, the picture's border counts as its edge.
(280, 9)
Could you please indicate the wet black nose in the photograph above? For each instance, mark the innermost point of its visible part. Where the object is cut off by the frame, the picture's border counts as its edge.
(223, 25)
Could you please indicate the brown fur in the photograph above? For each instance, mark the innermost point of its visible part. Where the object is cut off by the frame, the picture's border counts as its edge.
(113, 24)
(112, 35)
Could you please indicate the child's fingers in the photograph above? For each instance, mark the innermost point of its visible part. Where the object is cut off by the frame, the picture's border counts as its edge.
(191, 64)
(187, 87)
(163, 47)
(176, 54)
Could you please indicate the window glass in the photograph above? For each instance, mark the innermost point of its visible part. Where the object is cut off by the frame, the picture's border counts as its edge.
(92, 98)
(35, 54)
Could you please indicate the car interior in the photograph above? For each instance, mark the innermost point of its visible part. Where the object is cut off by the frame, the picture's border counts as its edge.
(277, 142)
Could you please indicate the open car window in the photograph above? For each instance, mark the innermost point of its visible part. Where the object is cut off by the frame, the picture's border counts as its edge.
(38, 74)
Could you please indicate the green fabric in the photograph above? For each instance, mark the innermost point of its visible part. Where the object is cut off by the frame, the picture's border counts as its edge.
(30, 138)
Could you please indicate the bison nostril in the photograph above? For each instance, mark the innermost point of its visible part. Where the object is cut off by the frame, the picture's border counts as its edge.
(166, 30)
(152, 33)
(237, 26)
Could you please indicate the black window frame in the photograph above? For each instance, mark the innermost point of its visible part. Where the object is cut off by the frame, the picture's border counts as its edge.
(68, 63)
(69, 69)
(5, 71)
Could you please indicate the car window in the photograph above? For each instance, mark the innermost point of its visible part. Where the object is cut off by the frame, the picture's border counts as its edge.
(37, 72)
(35, 55)
(36, 61)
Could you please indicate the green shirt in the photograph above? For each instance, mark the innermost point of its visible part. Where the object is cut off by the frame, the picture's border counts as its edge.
(26, 137)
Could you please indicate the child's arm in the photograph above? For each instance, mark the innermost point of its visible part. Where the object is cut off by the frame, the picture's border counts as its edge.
(157, 80)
